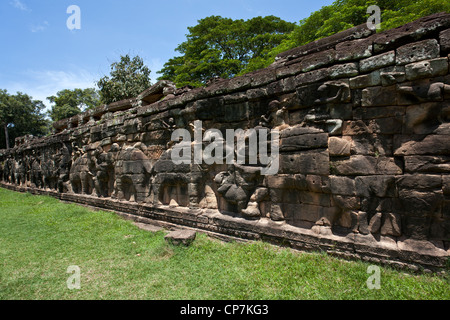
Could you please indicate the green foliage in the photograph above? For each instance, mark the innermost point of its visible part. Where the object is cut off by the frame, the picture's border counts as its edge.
(20, 115)
(69, 103)
(345, 14)
(128, 78)
(223, 47)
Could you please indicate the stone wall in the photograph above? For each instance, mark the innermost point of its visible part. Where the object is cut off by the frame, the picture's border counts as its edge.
(364, 150)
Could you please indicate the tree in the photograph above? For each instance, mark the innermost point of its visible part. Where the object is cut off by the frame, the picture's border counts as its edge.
(69, 103)
(128, 78)
(20, 115)
(223, 47)
(345, 14)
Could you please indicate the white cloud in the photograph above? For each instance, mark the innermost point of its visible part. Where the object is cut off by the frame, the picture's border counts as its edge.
(39, 27)
(41, 84)
(20, 5)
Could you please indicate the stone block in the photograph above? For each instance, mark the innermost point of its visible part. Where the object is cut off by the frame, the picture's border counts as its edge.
(378, 186)
(391, 78)
(366, 165)
(304, 142)
(372, 144)
(427, 69)
(377, 62)
(342, 186)
(444, 41)
(368, 80)
(379, 96)
(318, 184)
(312, 76)
(420, 91)
(367, 113)
(427, 164)
(424, 182)
(306, 162)
(181, 237)
(417, 51)
(339, 146)
(406, 145)
(317, 60)
(344, 70)
(423, 118)
(353, 50)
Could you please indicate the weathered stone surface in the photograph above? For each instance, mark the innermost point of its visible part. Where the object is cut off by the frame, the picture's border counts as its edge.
(353, 50)
(444, 41)
(307, 162)
(364, 123)
(427, 164)
(379, 96)
(377, 62)
(391, 225)
(342, 186)
(344, 70)
(405, 145)
(375, 223)
(366, 165)
(379, 186)
(427, 69)
(368, 80)
(304, 142)
(339, 146)
(317, 60)
(178, 237)
(422, 50)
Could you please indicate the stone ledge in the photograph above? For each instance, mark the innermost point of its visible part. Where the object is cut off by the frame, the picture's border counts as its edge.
(412, 255)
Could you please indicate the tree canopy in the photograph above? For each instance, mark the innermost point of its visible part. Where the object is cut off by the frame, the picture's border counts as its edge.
(223, 47)
(345, 14)
(128, 78)
(20, 115)
(68, 103)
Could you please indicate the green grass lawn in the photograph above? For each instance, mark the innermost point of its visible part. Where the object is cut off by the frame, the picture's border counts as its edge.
(40, 237)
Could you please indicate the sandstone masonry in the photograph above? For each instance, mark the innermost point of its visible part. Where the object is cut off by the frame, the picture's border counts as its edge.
(364, 172)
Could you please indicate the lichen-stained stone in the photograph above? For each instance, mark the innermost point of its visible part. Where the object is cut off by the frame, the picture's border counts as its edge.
(368, 80)
(417, 51)
(354, 50)
(421, 28)
(390, 78)
(377, 62)
(427, 69)
(344, 70)
(444, 41)
(312, 76)
(317, 60)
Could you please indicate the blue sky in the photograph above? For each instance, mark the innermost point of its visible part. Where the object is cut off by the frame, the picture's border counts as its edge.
(39, 55)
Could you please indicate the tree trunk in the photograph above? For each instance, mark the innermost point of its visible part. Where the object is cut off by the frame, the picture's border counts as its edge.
(6, 135)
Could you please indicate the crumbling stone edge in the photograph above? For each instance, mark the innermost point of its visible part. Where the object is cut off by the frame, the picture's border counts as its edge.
(410, 255)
